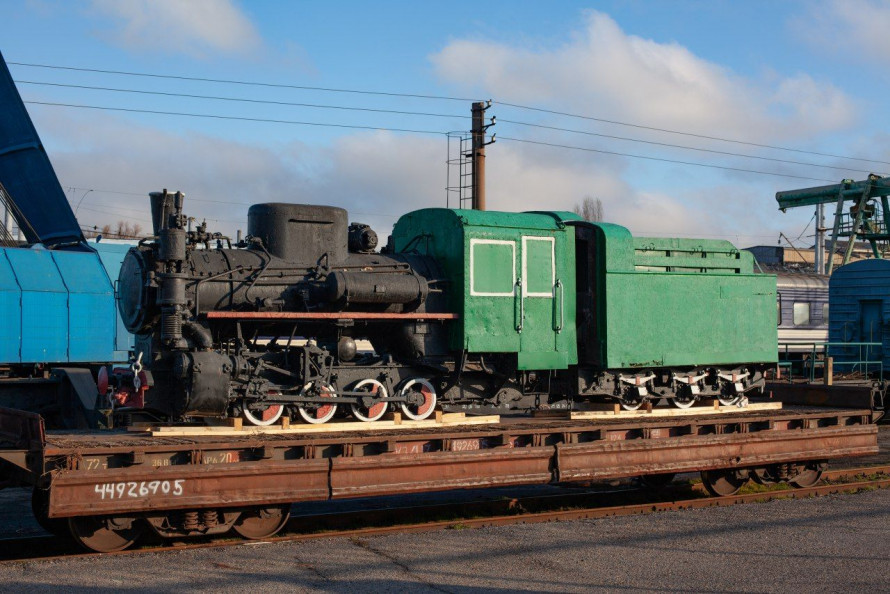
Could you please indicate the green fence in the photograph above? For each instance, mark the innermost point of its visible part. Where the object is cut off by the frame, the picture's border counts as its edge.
(804, 359)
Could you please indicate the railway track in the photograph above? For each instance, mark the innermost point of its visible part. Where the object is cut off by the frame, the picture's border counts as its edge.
(578, 505)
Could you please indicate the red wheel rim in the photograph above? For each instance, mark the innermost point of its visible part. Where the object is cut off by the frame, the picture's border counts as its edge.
(270, 412)
(428, 400)
(325, 409)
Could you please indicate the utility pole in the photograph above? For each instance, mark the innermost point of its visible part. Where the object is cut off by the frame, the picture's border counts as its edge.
(478, 155)
(820, 239)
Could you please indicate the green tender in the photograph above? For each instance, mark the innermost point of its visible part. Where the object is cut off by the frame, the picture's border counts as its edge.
(658, 302)
(669, 302)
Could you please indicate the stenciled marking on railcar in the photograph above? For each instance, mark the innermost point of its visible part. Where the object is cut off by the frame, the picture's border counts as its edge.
(95, 463)
(465, 445)
(220, 458)
(135, 490)
(412, 447)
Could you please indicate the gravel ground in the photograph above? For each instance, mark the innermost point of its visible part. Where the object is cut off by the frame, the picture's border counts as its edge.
(831, 544)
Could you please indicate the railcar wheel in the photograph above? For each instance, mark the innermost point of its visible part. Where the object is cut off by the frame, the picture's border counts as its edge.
(372, 410)
(809, 475)
(40, 509)
(104, 534)
(721, 483)
(632, 404)
(262, 522)
(265, 417)
(421, 398)
(317, 413)
(684, 401)
(657, 481)
(729, 400)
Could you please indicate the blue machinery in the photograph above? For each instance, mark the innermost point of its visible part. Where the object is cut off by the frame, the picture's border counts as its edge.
(58, 315)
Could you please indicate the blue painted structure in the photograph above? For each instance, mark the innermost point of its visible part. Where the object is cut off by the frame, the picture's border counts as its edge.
(59, 307)
(859, 301)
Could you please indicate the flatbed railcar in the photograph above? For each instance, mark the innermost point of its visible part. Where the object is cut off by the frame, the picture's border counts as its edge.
(107, 489)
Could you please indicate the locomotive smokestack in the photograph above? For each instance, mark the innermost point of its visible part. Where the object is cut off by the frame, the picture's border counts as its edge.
(163, 205)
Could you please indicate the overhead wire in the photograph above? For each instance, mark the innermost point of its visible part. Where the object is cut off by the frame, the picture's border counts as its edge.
(662, 159)
(244, 100)
(683, 147)
(236, 118)
(440, 115)
(245, 83)
(681, 133)
(446, 98)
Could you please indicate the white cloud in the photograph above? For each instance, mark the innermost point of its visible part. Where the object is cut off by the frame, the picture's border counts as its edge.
(193, 27)
(856, 27)
(604, 71)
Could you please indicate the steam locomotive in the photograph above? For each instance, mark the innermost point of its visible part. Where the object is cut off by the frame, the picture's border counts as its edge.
(461, 307)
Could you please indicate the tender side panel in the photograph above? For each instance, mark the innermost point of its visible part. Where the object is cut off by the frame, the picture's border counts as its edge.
(675, 319)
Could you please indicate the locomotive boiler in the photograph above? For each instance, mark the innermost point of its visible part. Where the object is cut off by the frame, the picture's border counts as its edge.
(269, 326)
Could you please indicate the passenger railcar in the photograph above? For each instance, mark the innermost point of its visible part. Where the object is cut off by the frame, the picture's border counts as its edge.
(501, 309)
(802, 310)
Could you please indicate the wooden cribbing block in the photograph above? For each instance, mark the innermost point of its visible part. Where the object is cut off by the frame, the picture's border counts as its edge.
(455, 419)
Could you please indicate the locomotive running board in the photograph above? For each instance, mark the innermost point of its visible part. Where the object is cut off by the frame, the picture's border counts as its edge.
(327, 315)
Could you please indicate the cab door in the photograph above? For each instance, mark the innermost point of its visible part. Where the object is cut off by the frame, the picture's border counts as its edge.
(542, 309)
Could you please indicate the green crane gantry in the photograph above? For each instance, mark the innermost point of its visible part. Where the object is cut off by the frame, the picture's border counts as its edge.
(863, 222)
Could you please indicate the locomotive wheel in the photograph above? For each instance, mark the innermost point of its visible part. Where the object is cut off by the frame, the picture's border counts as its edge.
(808, 476)
(373, 410)
(318, 413)
(721, 483)
(267, 416)
(262, 522)
(421, 398)
(104, 534)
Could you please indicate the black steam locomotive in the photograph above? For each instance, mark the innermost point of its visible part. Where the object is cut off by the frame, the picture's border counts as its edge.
(301, 272)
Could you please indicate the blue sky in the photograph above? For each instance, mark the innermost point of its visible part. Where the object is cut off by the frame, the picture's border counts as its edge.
(809, 76)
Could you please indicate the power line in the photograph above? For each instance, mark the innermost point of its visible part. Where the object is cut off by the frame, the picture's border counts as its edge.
(660, 159)
(691, 134)
(238, 118)
(440, 115)
(444, 97)
(245, 83)
(243, 100)
(680, 146)
(208, 200)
